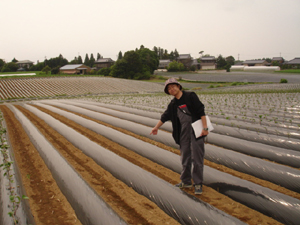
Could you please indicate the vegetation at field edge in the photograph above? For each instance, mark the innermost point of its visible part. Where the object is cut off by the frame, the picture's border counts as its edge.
(289, 71)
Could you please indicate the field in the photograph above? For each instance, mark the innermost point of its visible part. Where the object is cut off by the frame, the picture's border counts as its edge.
(78, 151)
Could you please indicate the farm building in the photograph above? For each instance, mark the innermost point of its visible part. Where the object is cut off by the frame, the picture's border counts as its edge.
(255, 63)
(104, 63)
(185, 59)
(75, 69)
(208, 63)
(24, 63)
(295, 63)
(164, 63)
(196, 64)
(279, 60)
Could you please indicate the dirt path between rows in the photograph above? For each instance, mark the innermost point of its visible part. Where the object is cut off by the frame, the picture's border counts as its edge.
(132, 207)
(48, 204)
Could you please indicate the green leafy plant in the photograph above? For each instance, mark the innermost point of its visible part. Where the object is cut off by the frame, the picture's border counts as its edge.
(15, 200)
(283, 81)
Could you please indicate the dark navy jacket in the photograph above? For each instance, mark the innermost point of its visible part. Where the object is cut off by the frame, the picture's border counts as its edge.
(193, 104)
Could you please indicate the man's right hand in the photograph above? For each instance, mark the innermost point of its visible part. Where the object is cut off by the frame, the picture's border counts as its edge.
(154, 131)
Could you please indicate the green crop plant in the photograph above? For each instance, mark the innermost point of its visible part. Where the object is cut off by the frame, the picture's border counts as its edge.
(8, 173)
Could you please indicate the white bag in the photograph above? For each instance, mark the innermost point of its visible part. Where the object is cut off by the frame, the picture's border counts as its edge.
(198, 126)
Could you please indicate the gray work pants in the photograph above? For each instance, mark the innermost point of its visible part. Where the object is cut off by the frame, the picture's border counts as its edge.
(191, 151)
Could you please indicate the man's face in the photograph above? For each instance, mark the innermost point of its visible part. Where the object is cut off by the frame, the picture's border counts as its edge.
(173, 89)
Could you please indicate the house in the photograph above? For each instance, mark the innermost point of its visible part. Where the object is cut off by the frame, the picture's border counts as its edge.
(163, 63)
(24, 64)
(196, 64)
(255, 63)
(185, 59)
(75, 69)
(104, 63)
(238, 63)
(294, 63)
(208, 63)
(278, 60)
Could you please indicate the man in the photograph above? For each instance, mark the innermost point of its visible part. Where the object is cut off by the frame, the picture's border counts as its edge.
(184, 109)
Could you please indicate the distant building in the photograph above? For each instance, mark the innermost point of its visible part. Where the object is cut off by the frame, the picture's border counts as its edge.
(295, 63)
(255, 63)
(24, 63)
(185, 59)
(208, 63)
(238, 63)
(163, 63)
(196, 64)
(75, 69)
(104, 63)
(280, 60)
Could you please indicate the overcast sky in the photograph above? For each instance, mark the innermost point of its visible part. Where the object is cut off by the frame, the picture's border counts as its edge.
(245, 29)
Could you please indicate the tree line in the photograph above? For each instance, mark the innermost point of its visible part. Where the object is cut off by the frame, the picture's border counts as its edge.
(134, 64)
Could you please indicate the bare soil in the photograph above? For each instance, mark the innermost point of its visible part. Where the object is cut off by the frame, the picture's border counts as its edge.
(49, 206)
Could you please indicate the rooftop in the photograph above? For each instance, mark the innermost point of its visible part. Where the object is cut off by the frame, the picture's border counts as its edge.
(24, 61)
(294, 61)
(253, 61)
(184, 56)
(104, 60)
(277, 58)
(208, 58)
(70, 66)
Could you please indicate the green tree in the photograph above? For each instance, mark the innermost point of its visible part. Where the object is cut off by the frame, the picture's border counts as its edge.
(104, 71)
(165, 55)
(133, 63)
(119, 69)
(221, 62)
(86, 60)
(10, 67)
(14, 60)
(201, 53)
(55, 70)
(38, 67)
(46, 69)
(120, 56)
(136, 64)
(1, 64)
(92, 60)
(176, 54)
(230, 60)
(155, 49)
(149, 60)
(54, 62)
(175, 67)
(99, 56)
(161, 53)
(172, 56)
(74, 61)
(79, 60)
